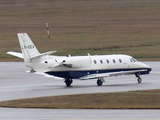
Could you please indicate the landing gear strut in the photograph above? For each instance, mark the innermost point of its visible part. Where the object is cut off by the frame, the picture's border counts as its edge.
(139, 78)
(68, 82)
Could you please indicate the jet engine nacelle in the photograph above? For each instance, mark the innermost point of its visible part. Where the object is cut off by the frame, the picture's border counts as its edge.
(77, 62)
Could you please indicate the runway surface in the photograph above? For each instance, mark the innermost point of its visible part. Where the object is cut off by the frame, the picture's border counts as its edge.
(16, 83)
(82, 114)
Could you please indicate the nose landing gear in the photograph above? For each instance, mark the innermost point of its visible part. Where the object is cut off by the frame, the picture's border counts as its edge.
(139, 78)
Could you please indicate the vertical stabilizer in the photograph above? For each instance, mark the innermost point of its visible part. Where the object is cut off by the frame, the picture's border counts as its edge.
(28, 49)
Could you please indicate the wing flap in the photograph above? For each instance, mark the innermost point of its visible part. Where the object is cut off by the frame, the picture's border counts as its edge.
(110, 74)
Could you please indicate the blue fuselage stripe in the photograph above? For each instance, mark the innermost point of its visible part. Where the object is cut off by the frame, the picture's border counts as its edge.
(78, 74)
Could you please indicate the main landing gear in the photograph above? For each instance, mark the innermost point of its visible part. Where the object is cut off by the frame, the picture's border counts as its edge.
(68, 82)
(100, 81)
(139, 78)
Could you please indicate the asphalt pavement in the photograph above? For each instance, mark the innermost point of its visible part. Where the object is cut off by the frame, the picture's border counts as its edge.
(16, 83)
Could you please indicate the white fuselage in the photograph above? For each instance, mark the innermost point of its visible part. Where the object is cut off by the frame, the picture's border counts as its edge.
(81, 67)
(88, 64)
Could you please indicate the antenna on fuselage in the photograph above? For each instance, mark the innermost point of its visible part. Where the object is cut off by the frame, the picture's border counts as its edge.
(47, 30)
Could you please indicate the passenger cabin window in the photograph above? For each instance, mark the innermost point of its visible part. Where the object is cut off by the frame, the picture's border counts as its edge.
(95, 62)
(114, 61)
(101, 61)
(120, 60)
(107, 61)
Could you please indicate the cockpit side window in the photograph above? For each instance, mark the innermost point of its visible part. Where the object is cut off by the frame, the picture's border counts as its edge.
(133, 60)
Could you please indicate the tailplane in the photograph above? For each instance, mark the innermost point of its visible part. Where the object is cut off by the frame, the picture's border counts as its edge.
(29, 50)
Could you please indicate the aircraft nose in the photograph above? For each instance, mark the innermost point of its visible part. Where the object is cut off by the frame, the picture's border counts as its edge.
(149, 69)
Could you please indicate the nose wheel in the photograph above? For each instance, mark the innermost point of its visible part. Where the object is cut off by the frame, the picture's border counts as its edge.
(139, 78)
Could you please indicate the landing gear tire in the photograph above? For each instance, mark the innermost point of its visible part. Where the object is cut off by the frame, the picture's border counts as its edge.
(139, 80)
(99, 82)
(68, 82)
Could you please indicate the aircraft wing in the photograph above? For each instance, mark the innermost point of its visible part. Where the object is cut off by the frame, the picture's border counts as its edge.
(110, 74)
(17, 54)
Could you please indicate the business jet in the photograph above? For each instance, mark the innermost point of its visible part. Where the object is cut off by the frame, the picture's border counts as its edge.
(78, 67)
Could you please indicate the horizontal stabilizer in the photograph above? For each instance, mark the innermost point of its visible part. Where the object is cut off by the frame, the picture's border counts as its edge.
(46, 53)
(17, 54)
(29, 50)
(20, 55)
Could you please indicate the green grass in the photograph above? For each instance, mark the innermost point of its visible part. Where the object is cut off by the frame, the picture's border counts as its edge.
(121, 100)
(81, 27)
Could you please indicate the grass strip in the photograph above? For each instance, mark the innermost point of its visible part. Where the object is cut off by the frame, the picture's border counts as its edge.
(119, 100)
(80, 27)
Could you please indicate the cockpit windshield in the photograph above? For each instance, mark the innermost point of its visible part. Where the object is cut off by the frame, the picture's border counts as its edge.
(133, 60)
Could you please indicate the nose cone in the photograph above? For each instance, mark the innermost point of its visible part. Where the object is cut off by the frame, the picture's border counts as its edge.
(147, 67)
